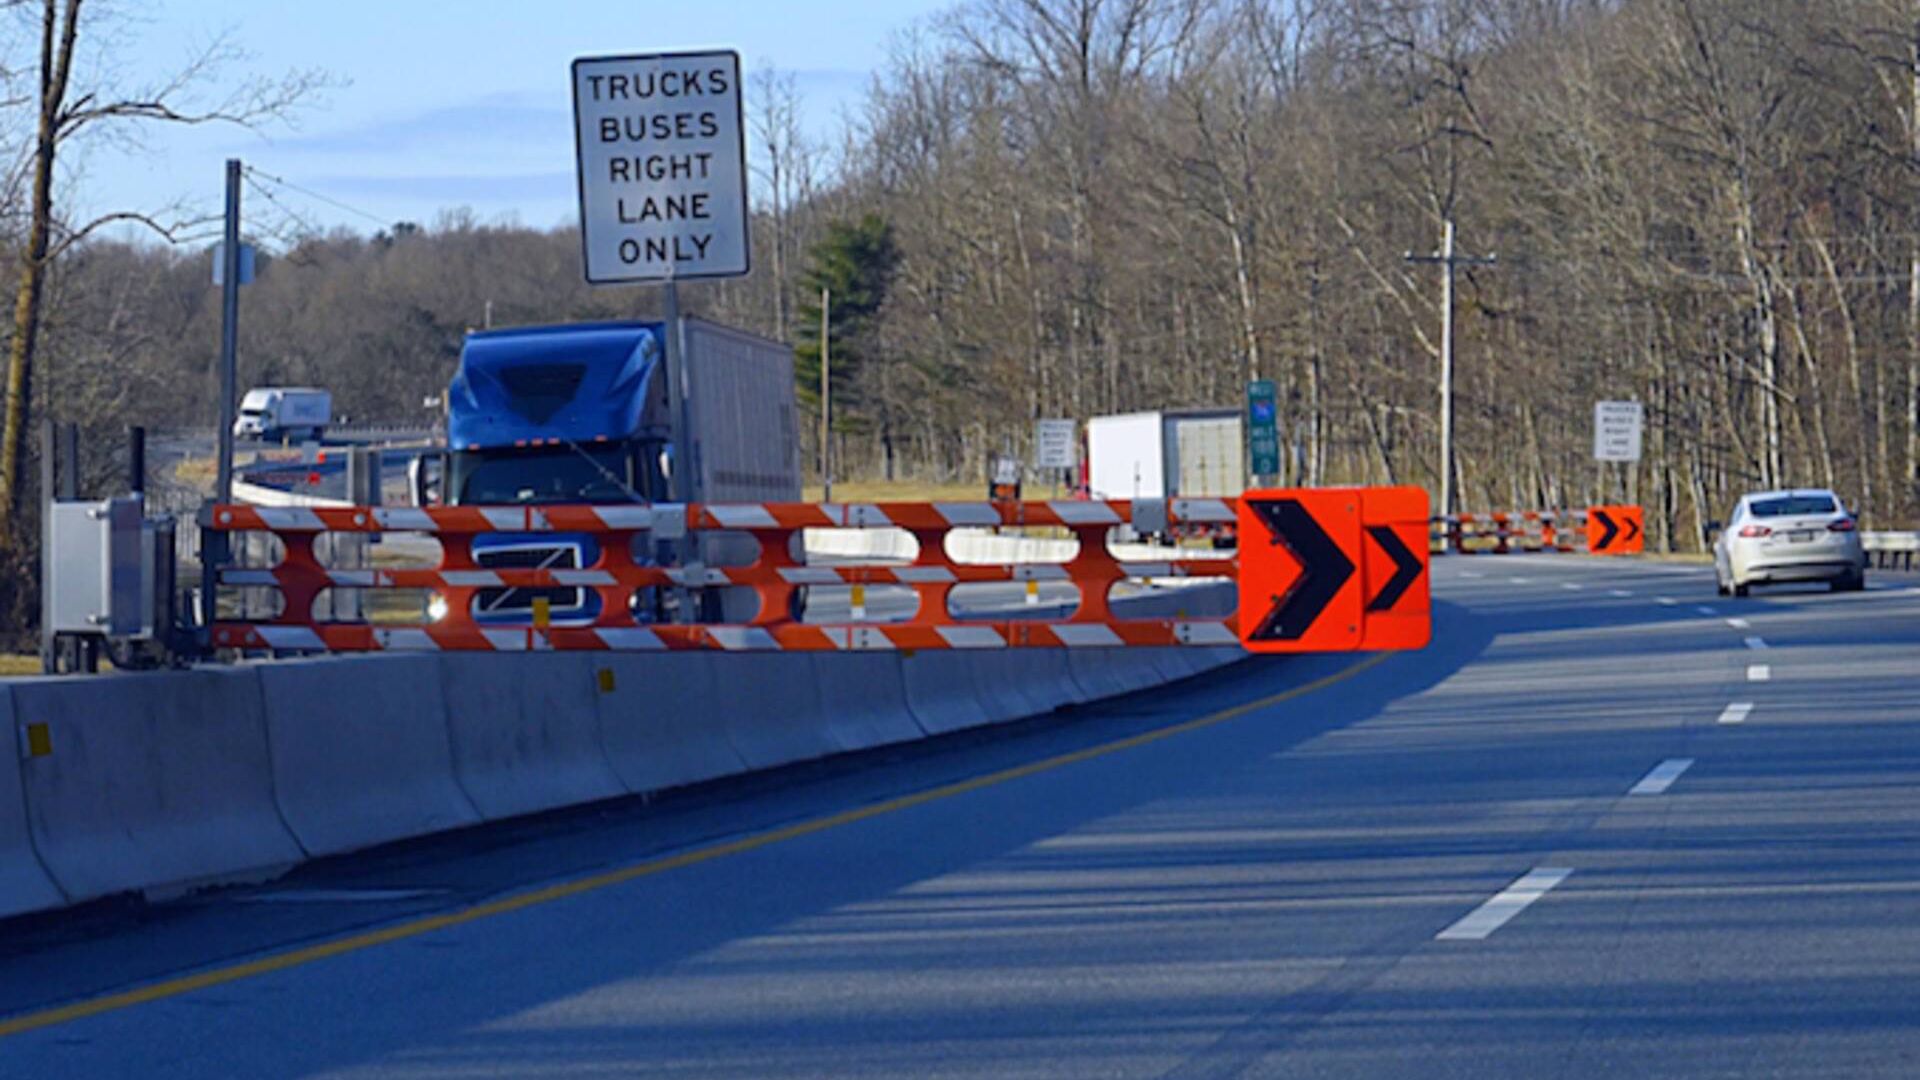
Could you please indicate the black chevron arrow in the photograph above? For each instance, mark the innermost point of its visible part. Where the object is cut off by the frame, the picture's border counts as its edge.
(1606, 538)
(1406, 568)
(1633, 530)
(1324, 569)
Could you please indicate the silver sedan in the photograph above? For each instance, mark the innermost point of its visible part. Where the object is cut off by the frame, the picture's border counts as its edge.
(1787, 536)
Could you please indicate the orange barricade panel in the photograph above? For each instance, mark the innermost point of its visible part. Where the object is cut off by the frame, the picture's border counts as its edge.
(1616, 530)
(1399, 605)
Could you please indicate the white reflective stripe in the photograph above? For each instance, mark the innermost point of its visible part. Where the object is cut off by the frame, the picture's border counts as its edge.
(973, 637)
(922, 574)
(362, 578)
(698, 575)
(248, 577)
(739, 638)
(1084, 513)
(515, 640)
(291, 518)
(405, 518)
(1040, 572)
(1202, 510)
(809, 575)
(505, 518)
(868, 638)
(742, 516)
(835, 513)
(470, 578)
(583, 577)
(968, 513)
(625, 517)
(290, 637)
(404, 639)
(1085, 635)
(1149, 569)
(630, 638)
(866, 515)
(1205, 633)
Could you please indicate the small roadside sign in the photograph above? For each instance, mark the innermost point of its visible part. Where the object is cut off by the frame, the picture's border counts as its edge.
(1616, 430)
(1053, 444)
(661, 165)
(1263, 428)
(1003, 479)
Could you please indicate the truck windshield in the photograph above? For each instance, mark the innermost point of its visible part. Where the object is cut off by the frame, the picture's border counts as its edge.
(547, 475)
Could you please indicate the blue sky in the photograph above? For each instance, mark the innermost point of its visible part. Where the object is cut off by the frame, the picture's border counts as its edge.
(453, 104)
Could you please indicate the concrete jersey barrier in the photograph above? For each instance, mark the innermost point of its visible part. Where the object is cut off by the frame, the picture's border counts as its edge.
(360, 750)
(525, 732)
(657, 722)
(24, 884)
(152, 781)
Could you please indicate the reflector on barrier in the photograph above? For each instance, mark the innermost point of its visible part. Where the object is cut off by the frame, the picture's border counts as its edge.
(1334, 569)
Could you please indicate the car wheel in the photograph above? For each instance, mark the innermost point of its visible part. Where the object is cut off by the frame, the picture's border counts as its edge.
(1851, 583)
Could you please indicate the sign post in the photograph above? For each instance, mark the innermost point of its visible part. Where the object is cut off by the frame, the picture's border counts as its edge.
(1263, 431)
(662, 169)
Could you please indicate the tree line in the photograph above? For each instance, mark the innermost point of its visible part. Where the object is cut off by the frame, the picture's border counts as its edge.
(1077, 207)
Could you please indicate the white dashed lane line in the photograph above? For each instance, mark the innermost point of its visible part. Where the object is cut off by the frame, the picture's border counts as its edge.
(1756, 643)
(1619, 592)
(1505, 904)
(1740, 624)
(1662, 776)
(1667, 601)
(1571, 587)
(1759, 672)
(1736, 713)
(1705, 610)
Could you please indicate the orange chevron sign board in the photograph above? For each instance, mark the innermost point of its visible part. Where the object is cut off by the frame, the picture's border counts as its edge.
(1334, 569)
(1616, 530)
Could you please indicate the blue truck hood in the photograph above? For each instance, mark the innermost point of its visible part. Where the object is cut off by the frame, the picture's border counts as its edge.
(533, 385)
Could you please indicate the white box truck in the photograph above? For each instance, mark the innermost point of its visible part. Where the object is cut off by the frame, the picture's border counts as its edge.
(1190, 453)
(273, 413)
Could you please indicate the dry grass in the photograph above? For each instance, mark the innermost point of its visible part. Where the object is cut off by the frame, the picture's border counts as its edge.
(16, 664)
(909, 491)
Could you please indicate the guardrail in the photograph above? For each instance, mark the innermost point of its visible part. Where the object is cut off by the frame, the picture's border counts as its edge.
(775, 577)
(1891, 550)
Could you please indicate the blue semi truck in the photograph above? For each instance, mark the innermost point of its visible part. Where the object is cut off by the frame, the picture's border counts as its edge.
(578, 413)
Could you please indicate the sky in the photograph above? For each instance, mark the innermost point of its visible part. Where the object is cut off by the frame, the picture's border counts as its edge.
(444, 105)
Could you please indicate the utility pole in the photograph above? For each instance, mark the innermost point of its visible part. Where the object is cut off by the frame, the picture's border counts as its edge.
(826, 400)
(1447, 258)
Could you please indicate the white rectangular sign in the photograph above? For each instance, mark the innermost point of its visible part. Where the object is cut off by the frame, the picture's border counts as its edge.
(662, 166)
(1053, 444)
(1616, 430)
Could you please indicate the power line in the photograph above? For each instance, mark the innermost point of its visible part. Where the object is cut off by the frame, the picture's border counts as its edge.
(328, 199)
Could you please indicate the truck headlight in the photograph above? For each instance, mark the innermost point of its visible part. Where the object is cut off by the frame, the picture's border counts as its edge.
(436, 608)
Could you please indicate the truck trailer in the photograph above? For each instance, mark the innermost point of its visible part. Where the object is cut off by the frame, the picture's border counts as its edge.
(579, 414)
(271, 413)
(1191, 453)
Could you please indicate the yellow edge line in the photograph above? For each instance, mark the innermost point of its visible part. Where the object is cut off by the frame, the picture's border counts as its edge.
(219, 976)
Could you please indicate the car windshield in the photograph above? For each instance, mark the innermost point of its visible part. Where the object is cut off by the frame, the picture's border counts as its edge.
(551, 475)
(1793, 505)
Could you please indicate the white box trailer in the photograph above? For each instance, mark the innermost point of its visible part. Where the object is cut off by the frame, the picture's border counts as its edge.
(274, 412)
(1192, 453)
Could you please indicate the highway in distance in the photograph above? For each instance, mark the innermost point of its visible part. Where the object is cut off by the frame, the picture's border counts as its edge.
(1609, 824)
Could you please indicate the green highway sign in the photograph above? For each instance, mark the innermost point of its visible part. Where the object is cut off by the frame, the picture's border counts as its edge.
(1263, 428)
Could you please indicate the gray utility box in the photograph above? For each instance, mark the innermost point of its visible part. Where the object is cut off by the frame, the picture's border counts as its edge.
(98, 568)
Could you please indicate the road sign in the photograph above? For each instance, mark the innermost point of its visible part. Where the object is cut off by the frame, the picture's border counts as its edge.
(1053, 444)
(1334, 569)
(1263, 428)
(1616, 530)
(662, 166)
(1616, 430)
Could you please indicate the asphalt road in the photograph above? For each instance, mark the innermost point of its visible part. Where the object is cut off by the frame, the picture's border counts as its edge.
(1578, 836)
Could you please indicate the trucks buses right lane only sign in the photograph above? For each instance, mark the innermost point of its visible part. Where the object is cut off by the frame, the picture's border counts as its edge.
(662, 166)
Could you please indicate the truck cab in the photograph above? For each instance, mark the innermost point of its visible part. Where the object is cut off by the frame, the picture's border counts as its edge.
(578, 414)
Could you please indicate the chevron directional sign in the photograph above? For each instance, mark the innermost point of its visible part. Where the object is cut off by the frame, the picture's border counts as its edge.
(1334, 569)
(1616, 530)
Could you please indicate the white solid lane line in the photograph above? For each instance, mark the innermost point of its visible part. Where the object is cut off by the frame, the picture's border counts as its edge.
(1740, 624)
(1506, 903)
(1662, 776)
(1736, 712)
(1759, 672)
(1705, 610)
(1756, 643)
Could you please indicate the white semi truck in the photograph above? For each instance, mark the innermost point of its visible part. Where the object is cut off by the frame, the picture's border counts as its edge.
(1190, 453)
(271, 413)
